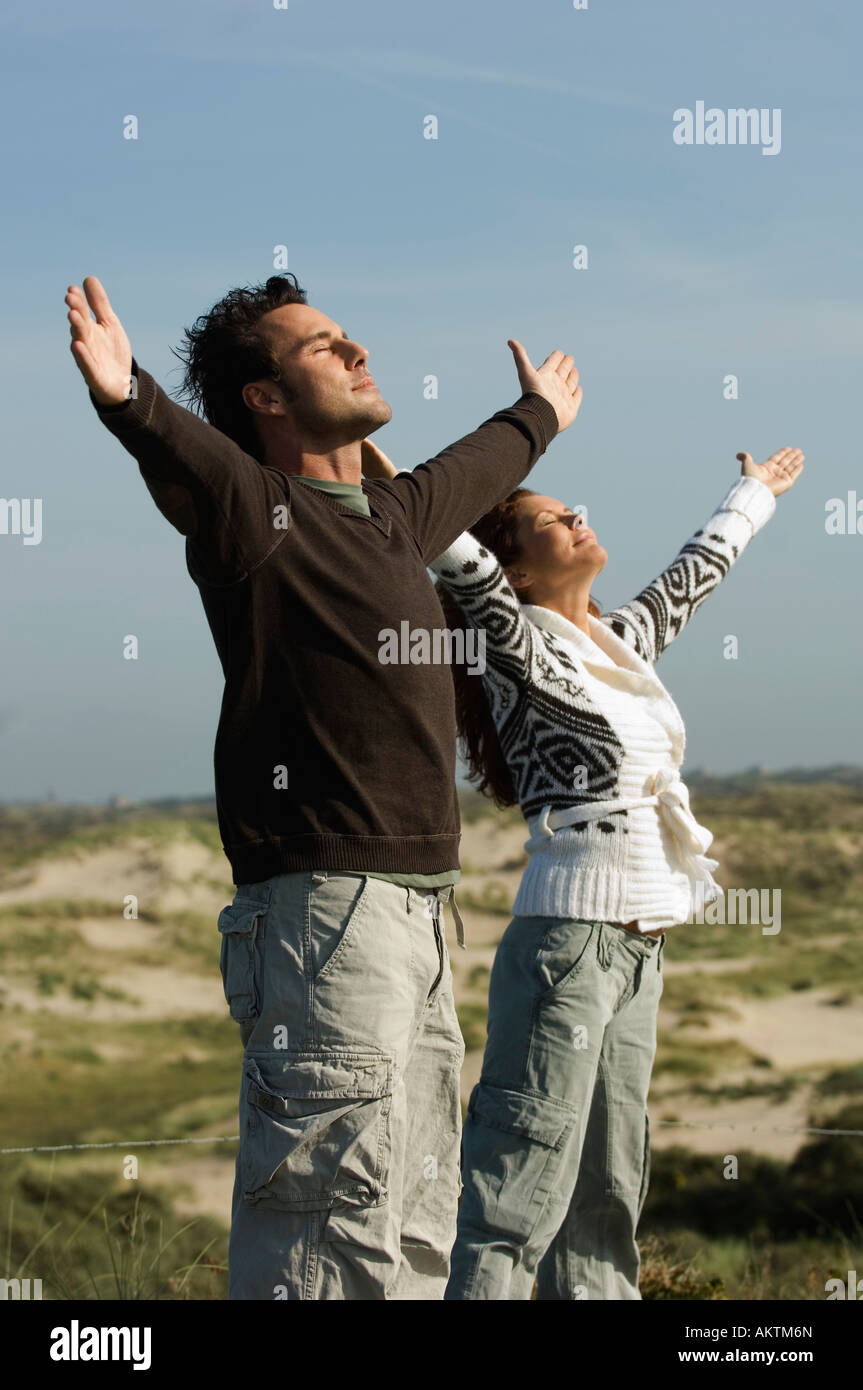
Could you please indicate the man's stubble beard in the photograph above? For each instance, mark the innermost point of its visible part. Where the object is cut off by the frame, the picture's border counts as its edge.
(347, 425)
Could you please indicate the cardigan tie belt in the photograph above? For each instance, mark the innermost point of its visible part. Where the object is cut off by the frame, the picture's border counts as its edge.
(669, 794)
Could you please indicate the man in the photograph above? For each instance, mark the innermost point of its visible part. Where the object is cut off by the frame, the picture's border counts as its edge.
(334, 770)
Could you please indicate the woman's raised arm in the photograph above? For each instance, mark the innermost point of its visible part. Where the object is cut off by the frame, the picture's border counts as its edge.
(477, 583)
(655, 616)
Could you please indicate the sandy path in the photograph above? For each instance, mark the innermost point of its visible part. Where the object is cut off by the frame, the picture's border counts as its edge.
(172, 877)
(796, 1030)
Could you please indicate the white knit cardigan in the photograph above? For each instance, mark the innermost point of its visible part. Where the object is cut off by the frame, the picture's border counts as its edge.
(591, 736)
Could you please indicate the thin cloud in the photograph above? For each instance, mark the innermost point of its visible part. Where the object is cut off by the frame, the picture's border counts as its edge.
(412, 64)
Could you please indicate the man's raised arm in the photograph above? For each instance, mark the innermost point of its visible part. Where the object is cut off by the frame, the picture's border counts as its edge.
(211, 490)
(446, 495)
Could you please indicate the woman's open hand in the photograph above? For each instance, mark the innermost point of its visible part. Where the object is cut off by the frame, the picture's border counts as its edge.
(375, 463)
(779, 472)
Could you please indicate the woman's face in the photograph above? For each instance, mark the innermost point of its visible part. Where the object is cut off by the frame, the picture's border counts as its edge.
(555, 547)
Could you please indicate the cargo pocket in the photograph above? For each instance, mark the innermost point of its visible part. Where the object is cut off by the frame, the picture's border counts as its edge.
(316, 1130)
(239, 925)
(512, 1144)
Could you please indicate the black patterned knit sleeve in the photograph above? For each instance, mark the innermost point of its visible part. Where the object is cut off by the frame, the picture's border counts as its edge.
(489, 603)
(655, 616)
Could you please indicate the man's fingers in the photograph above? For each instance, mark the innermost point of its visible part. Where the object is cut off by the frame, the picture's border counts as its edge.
(75, 300)
(557, 361)
(80, 319)
(522, 361)
(84, 361)
(98, 299)
(79, 324)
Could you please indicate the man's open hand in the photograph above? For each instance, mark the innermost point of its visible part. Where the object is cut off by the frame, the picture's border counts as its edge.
(99, 346)
(556, 379)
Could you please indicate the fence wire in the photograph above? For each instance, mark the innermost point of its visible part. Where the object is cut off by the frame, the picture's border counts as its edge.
(233, 1138)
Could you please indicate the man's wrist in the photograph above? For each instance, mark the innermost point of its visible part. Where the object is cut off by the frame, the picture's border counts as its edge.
(131, 394)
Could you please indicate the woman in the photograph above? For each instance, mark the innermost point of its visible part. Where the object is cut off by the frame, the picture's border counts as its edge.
(570, 721)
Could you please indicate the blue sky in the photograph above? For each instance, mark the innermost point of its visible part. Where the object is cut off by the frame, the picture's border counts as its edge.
(304, 127)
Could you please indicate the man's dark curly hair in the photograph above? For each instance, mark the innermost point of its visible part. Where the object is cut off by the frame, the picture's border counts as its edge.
(223, 351)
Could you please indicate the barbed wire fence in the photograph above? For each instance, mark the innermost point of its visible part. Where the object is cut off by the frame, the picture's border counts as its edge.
(234, 1138)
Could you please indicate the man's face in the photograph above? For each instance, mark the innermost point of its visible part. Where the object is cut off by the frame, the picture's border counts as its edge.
(329, 392)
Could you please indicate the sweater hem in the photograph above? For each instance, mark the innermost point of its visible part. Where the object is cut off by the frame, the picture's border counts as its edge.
(263, 859)
(596, 895)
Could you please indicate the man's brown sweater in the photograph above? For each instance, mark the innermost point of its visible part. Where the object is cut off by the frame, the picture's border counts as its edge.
(325, 758)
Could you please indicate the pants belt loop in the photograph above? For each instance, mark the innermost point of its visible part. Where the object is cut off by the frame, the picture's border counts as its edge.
(459, 924)
(434, 906)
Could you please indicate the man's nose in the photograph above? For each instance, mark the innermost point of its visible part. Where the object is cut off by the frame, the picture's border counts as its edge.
(355, 353)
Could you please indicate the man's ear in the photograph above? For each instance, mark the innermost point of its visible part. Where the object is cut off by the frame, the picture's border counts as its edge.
(263, 398)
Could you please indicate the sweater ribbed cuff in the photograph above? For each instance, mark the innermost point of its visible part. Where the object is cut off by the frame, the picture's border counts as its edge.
(753, 499)
(545, 412)
(129, 413)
